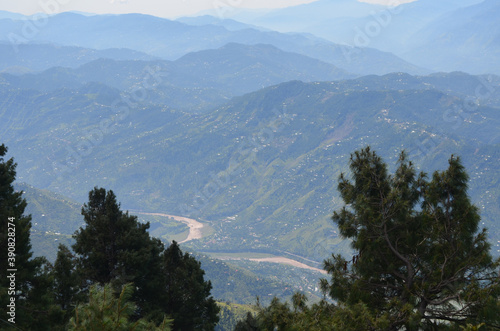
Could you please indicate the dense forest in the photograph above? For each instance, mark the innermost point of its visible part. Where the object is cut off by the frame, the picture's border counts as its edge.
(420, 262)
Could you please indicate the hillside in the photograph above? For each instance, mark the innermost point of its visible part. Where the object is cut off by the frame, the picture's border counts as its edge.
(195, 162)
(261, 170)
(55, 219)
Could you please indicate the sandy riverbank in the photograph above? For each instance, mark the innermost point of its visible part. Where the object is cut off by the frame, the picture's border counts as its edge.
(194, 226)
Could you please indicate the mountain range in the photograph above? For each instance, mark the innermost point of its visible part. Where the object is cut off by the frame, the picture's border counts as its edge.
(466, 39)
(195, 82)
(438, 35)
(28, 58)
(262, 168)
(170, 40)
(417, 37)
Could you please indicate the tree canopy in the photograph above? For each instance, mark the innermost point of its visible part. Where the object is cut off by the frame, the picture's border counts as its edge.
(420, 259)
(25, 288)
(109, 311)
(114, 247)
(187, 293)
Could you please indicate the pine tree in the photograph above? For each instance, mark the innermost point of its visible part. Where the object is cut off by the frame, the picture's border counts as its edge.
(115, 248)
(107, 311)
(188, 299)
(27, 275)
(250, 323)
(419, 259)
(66, 279)
(317, 317)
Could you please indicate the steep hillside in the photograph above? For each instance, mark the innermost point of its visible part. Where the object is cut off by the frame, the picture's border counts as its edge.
(55, 218)
(262, 170)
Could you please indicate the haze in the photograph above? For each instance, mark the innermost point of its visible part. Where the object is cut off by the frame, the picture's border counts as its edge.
(155, 7)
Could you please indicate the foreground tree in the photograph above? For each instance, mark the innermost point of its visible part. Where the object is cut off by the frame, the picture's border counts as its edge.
(115, 248)
(67, 282)
(23, 279)
(299, 316)
(108, 311)
(419, 258)
(188, 299)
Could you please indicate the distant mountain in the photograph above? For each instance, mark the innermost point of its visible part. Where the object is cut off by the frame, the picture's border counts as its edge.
(242, 68)
(298, 18)
(38, 57)
(467, 39)
(170, 40)
(10, 15)
(196, 81)
(385, 28)
(229, 24)
(262, 169)
(443, 35)
(337, 20)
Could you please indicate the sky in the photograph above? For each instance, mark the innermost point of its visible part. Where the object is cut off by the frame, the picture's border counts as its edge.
(161, 8)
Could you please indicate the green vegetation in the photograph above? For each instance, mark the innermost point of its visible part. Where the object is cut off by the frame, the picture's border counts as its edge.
(51, 213)
(115, 256)
(258, 171)
(231, 313)
(23, 279)
(419, 260)
(163, 228)
(233, 281)
(115, 248)
(187, 294)
(262, 195)
(259, 192)
(239, 282)
(108, 312)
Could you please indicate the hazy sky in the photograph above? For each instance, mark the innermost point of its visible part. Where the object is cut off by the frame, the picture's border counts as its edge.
(162, 8)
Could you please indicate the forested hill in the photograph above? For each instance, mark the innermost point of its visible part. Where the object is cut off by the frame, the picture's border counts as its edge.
(261, 169)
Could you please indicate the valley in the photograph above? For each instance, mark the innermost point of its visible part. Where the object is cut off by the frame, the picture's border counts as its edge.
(195, 232)
(233, 133)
